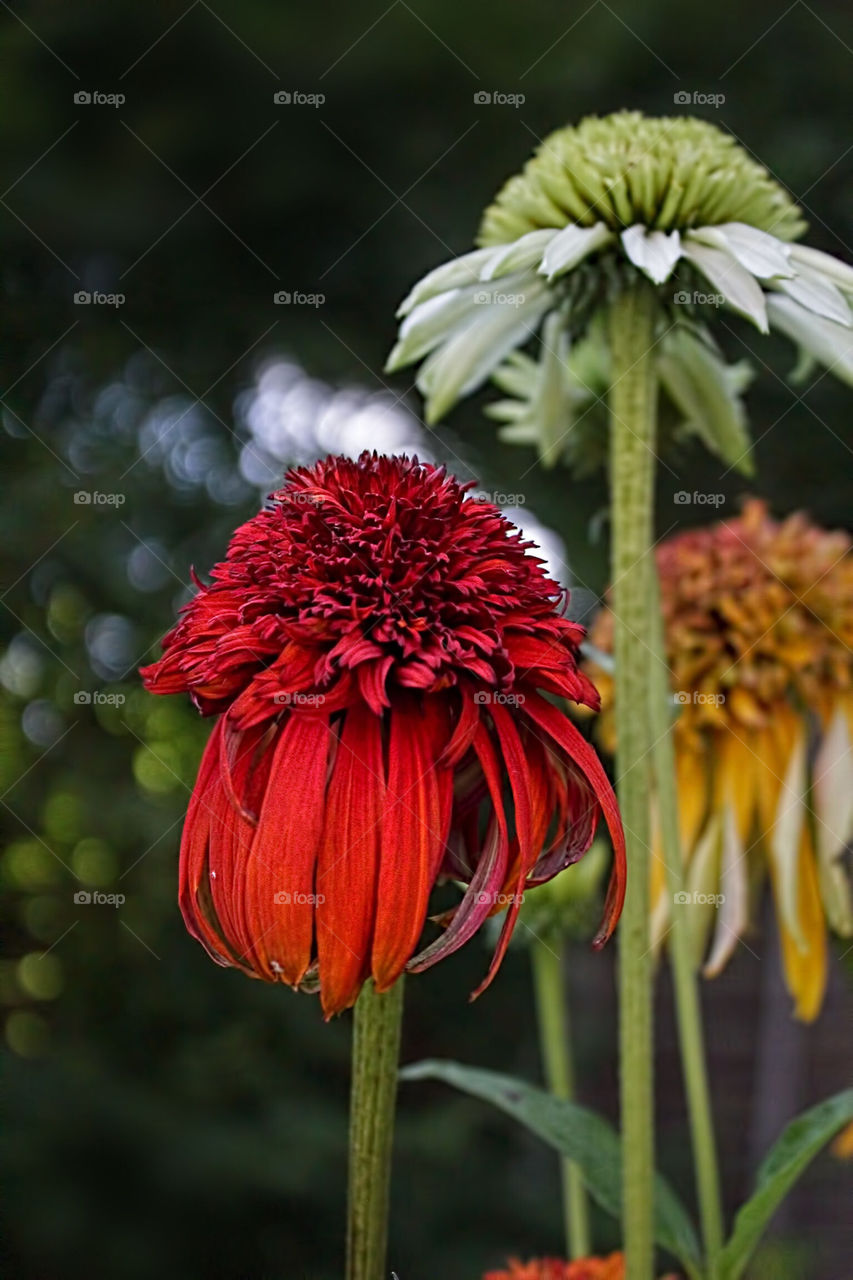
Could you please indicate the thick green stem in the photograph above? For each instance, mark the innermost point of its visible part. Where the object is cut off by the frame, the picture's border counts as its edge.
(375, 1055)
(632, 471)
(552, 1012)
(690, 1030)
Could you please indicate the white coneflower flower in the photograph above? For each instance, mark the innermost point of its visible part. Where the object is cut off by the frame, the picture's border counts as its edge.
(599, 205)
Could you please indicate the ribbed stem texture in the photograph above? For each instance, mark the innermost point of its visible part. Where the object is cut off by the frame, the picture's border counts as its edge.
(375, 1055)
(632, 470)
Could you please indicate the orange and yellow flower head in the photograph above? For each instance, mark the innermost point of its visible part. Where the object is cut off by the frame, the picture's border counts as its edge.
(758, 616)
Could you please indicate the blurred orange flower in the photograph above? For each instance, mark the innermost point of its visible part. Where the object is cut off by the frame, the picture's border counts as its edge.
(610, 1268)
(758, 616)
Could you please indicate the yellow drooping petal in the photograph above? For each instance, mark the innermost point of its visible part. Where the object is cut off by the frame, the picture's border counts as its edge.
(805, 967)
(832, 790)
(691, 774)
(735, 800)
(784, 840)
(733, 909)
(691, 777)
(703, 884)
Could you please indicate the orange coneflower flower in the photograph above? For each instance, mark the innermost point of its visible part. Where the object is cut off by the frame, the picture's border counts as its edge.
(376, 647)
(609, 1268)
(758, 618)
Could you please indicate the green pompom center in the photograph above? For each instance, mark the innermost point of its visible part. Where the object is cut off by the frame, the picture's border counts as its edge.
(668, 173)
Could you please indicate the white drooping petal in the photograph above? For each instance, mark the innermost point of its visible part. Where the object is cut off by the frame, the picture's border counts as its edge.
(450, 275)
(733, 911)
(739, 287)
(571, 245)
(830, 343)
(521, 255)
(707, 392)
(757, 251)
(429, 324)
(551, 407)
(477, 346)
(654, 252)
(524, 432)
(832, 792)
(516, 376)
(785, 841)
(817, 294)
(840, 273)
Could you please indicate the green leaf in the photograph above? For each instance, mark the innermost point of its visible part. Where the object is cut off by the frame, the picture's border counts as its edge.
(575, 1132)
(789, 1156)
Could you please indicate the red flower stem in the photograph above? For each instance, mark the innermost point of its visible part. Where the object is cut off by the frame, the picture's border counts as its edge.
(552, 1014)
(375, 1055)
(632, 443)
(688, 1007)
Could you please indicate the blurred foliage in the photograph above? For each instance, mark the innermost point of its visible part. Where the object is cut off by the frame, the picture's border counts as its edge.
(166, 1117)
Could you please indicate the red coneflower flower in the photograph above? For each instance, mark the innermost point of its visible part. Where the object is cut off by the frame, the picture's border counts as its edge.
(376, 646)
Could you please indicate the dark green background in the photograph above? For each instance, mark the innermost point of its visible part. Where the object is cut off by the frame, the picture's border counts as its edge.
(167, 1118)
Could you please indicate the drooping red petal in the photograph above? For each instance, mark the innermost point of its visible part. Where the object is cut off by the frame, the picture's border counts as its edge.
(414, 834)
(519, 777)
(486, 879)
(194, 895)
(348, 860)
(566, 735)
(230, 841)
(466, 727)
(279, 874)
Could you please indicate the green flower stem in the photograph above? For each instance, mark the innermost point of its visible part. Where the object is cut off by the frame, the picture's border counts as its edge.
(688, 1009)
(632, 470)
(552, 1013)
(375, 1055)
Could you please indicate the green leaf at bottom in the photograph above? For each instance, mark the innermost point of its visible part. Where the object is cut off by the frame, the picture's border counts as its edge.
(575, 1132)
(788, 1157)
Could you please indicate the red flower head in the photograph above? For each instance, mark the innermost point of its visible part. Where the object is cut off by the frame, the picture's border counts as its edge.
(376, 646)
